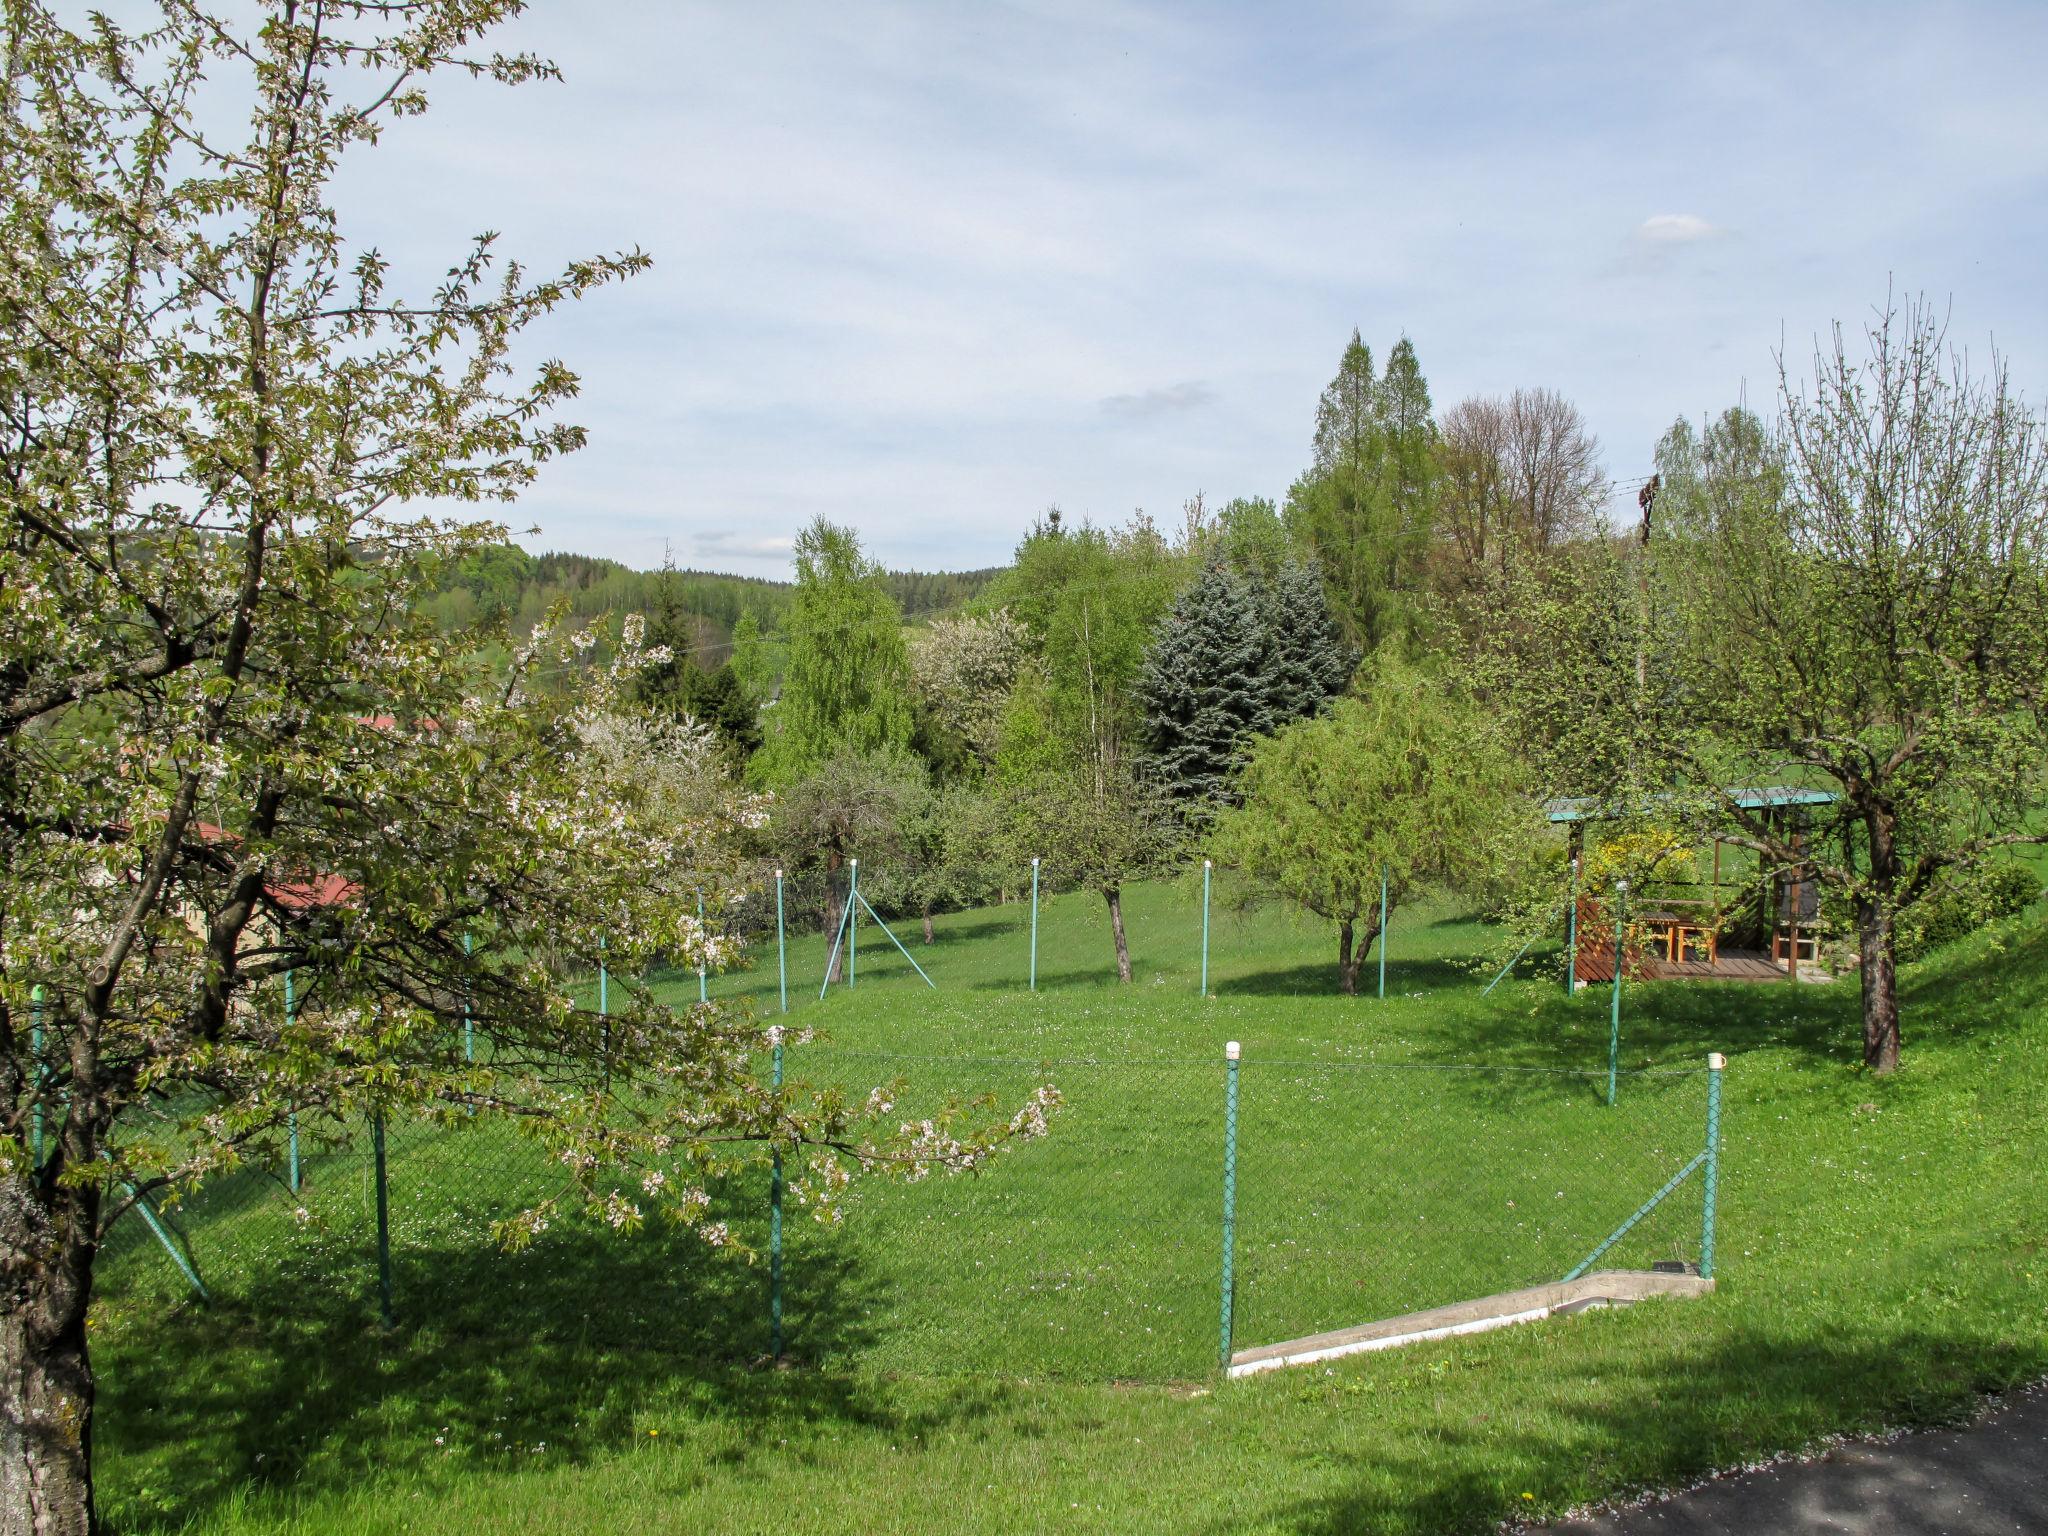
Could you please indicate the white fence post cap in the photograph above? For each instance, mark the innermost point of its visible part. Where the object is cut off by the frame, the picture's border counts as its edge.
(1230, 1051)
(1034, 863)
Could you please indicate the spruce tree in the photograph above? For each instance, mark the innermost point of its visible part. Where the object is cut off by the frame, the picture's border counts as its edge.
(1310, 662)
(1206, 687)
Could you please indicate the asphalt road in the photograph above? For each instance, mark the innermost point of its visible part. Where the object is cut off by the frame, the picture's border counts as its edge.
(1989, 1479)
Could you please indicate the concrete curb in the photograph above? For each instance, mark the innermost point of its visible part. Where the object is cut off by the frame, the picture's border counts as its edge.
(1602, 1288)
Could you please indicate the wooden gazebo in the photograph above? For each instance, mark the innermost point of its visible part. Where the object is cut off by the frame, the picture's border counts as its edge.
(1682, 936)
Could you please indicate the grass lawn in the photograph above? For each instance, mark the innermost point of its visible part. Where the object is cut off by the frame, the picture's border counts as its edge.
(1036, 1348)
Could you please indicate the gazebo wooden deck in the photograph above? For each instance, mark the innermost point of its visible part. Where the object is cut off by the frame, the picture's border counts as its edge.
(1726, 965)
(1680, 940)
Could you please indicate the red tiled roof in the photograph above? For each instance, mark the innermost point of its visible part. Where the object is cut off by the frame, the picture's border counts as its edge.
(311, 894)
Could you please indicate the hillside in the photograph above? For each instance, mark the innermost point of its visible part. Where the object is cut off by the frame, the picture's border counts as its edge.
(505, 588)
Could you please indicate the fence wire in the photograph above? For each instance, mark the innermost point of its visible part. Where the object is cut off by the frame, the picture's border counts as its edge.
(1368, 1191)
(1200, 931)
(1362, 1192)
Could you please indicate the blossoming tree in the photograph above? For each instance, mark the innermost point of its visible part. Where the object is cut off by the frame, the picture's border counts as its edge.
(228, 750)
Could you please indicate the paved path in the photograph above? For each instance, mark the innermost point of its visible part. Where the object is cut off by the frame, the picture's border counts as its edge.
(1990, 1479)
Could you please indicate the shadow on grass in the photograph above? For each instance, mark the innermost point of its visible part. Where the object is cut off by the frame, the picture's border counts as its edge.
(949, 931)
(1319, 979)
(291, 1381)
(1682, 1415)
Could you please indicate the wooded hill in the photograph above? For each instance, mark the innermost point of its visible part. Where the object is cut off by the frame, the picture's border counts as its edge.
(505, 588)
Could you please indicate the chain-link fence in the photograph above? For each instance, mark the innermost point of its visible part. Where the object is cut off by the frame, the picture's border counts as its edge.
(1370, 1191)
(1127, 1244)
(817, 936)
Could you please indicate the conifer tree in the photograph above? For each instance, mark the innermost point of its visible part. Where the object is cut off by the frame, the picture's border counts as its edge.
(1360, 510)
(1348, 416)
(749, 658)
(682, 686)
(1206, 687)
(1408, 463)
(1309, 661)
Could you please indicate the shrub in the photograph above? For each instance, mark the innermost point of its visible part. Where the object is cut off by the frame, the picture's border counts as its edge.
(1957, 908)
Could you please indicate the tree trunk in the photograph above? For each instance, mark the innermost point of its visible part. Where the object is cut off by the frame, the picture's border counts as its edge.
(1874, 936)
(46, 1388)
(1347, 962)
(1880, 986)
(1115, 897)
(835, 946)
(927, 924)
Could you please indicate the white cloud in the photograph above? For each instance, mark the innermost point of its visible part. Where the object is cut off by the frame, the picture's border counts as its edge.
(724, 544)
(926, 268)
(1674, 228)
(1168, 400)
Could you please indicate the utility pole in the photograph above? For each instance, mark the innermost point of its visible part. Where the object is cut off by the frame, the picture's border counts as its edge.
(1646, 498)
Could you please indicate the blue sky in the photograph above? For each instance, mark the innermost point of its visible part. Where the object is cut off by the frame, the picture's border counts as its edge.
(929, 268)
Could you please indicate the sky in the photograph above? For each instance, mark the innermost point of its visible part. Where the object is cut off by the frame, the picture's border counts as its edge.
(929, 269)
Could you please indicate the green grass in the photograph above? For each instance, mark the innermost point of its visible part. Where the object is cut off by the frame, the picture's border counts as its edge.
(1036, 1348)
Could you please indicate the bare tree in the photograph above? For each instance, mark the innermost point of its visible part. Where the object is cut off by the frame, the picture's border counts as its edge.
(1520, 473)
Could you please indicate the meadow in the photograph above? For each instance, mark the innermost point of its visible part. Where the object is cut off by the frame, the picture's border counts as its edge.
(1037, 1346)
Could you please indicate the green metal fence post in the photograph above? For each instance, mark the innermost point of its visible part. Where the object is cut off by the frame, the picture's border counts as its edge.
(852, 919)
(468, 1023)
(1230, 1056)
(171, 1244)
(775, 1154)
(604, 981)
(1571, 935)
(291, 1117)
(383, 1219)
(1614, 1029)
(1207, 866)
(775, 1229)
(1383, 931)
(1034, 925)
(36, 1047)
(781, 953)
(1715, 1063)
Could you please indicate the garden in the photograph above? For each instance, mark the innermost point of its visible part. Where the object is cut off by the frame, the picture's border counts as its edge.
(1050, 1326)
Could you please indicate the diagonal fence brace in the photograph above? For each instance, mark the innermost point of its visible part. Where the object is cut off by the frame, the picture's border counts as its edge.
(1649, 1205)
(862, 898)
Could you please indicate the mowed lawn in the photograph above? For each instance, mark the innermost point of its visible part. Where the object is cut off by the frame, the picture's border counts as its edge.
(1036, 1348)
